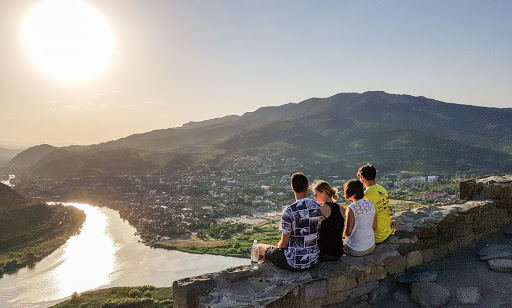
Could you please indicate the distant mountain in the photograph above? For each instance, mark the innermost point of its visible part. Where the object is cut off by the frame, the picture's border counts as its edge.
(8, 154)
(401, 132)
(30, 156)
(61, 162)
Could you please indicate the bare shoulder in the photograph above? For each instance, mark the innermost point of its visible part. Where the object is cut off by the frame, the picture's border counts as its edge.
(326, 210)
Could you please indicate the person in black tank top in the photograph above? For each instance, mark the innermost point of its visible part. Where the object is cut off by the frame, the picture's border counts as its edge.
(330, 234)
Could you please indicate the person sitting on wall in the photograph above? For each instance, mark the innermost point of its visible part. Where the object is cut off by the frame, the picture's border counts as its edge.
(330, 235)
(378, 195)
(298, 247)
(360, 221)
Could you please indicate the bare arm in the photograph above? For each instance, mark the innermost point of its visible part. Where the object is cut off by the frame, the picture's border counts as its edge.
(342, 211)
(283, 243)
(349, 222)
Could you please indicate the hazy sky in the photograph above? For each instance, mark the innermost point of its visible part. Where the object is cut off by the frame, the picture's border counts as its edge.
(178, 61)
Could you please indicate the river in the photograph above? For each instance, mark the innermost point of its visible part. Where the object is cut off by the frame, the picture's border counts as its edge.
(8, 182)
(105, 253)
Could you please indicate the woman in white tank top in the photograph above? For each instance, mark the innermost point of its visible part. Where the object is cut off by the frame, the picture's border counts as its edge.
(361, 222)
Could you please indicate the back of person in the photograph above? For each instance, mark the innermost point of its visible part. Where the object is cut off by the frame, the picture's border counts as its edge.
(330, 236)
(362, 236)
(302, 220)
(379, 197)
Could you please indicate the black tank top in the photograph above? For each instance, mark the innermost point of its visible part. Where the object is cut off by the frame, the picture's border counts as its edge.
(330, 235)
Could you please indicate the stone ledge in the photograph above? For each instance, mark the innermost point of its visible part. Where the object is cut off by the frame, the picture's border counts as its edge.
(492, 187)
(423, 235)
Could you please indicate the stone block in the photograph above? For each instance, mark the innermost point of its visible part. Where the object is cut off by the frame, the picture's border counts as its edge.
(467, 189)
(363, 289)
(462, 230)
(427, 232)
(241, 273)
(396, 264)
(371, 273)
(500, 265)
(329, 300)
(414, 258)
(292, 299)
(315, 289)
(452, 246)
(466, 240)
(375, 294)
(187, 291)
(340, 284)
(428, 255)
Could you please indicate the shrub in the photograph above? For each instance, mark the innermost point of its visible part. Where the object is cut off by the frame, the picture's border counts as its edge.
(134, 293)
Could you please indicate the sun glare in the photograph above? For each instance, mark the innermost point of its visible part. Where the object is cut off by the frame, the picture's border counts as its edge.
(67, 39)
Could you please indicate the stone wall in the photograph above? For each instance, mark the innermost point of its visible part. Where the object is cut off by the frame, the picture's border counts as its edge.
(422, 235)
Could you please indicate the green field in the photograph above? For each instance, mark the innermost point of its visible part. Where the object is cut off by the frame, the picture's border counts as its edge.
(235, 244)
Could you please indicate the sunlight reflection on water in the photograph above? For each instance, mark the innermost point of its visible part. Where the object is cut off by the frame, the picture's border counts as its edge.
(93, 268)
(104, 254)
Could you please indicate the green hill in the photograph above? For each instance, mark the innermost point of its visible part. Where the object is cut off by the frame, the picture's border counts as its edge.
(400, 132)
(30, 230)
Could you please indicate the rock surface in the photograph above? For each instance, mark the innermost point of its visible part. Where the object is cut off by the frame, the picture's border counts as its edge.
(508, 230)
(492, 187)
(401, 296)
(468, 295)
(408, 278)
(495, 252)
(500, 265)
(429, 294)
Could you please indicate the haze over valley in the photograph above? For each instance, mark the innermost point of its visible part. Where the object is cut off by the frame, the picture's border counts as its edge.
(145, 142)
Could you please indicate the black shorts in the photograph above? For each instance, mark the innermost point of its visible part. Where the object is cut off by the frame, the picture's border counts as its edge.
(276, 256)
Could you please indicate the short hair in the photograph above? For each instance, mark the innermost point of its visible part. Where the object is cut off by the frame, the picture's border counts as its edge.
(367, 171)
(299, 182)
(353, 187)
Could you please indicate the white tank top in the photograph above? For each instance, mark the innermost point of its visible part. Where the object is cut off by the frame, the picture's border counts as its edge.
(362, 236)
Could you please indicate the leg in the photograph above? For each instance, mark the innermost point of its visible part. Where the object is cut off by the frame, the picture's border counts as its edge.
(261, 250)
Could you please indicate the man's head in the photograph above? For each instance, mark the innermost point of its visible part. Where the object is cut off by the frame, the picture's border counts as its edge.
(299, 183)
(366, 174)
(353, 190)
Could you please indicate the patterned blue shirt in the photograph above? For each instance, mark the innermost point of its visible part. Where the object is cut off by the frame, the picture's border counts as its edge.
(301, 220)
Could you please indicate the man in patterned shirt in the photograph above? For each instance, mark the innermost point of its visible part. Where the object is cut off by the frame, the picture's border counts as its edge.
(298, 248)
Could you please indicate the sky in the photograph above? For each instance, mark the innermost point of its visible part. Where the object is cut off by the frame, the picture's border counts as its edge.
(178, 61)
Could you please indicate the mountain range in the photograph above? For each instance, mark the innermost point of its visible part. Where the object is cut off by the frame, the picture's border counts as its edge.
(396, 132)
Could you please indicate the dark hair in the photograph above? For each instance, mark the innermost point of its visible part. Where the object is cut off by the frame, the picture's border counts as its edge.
(367, 171)
(323, 186)
(353, 187)
(299, 182)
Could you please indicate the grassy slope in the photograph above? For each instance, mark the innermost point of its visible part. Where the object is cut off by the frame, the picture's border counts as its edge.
(144, 296)
(29, 230)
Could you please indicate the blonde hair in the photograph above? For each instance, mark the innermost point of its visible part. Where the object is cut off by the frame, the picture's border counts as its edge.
(323, 186)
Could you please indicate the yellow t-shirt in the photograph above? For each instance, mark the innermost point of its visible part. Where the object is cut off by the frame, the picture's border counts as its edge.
(379, 197)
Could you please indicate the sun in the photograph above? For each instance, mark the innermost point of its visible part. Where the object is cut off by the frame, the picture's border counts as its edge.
(68, 39)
